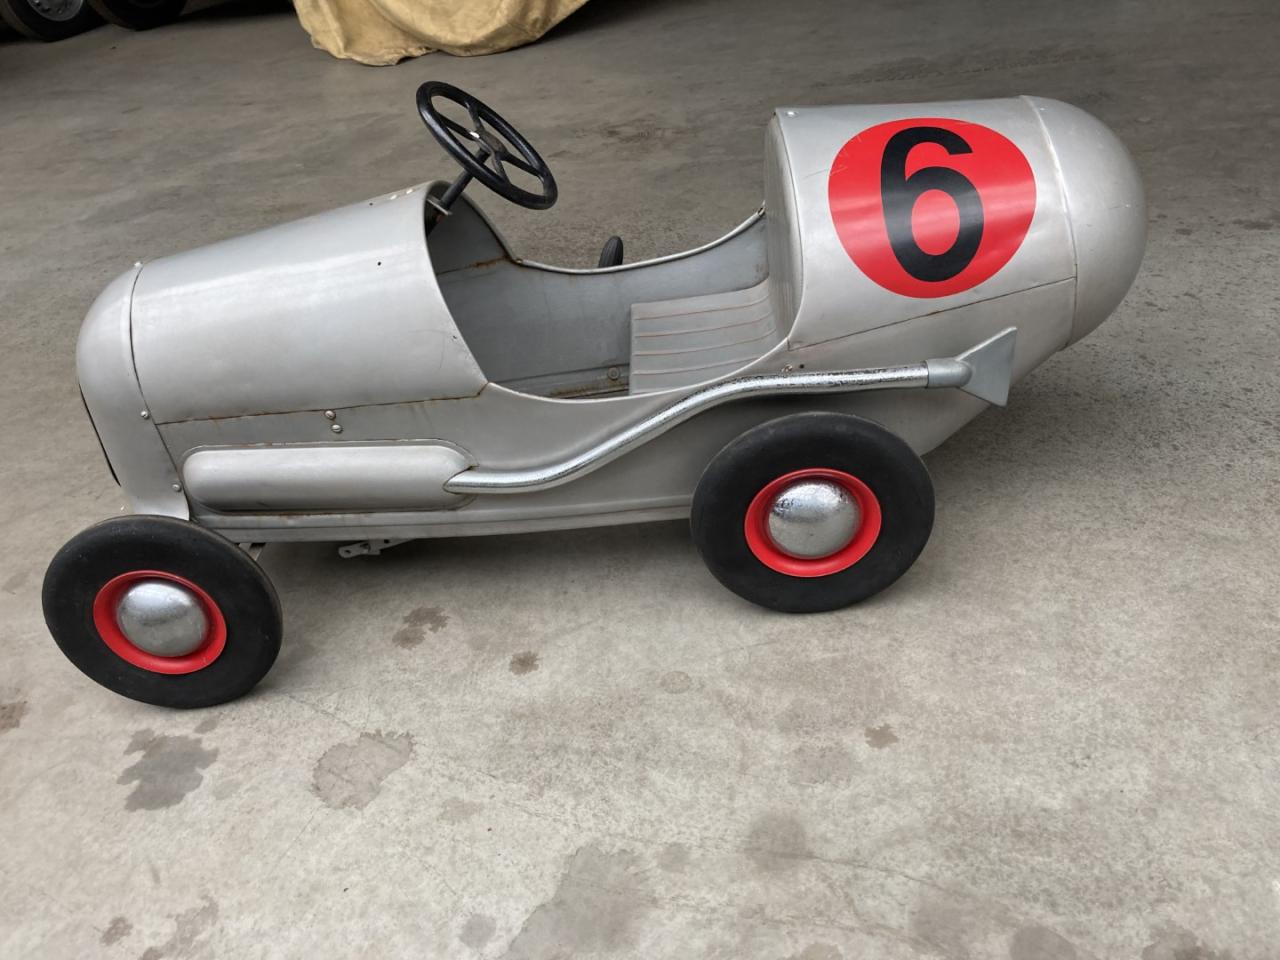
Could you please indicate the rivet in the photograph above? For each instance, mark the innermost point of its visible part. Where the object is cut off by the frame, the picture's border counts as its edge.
(790, 113)
(614, 373)
(177, 487)
(145, 415)
(330, 415)
(787, 368)
(336, 428)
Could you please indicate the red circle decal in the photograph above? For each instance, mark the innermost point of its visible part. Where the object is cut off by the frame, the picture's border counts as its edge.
(928, 207)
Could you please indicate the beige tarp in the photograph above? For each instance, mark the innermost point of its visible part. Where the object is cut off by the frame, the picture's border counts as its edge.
(382, 32)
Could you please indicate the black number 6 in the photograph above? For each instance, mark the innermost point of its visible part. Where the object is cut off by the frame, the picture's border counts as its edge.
(900, 192)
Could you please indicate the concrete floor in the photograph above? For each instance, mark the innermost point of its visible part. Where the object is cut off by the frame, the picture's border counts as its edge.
(1055, 739)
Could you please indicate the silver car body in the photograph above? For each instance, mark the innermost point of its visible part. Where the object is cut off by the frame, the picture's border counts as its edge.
(345, 376)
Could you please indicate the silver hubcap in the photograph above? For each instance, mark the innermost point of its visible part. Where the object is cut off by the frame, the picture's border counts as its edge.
(57, 10)
(162, 618)
(813, 518)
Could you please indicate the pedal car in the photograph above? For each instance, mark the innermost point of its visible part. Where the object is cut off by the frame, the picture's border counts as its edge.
(392, 370)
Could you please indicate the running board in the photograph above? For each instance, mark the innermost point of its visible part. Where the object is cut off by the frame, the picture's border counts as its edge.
(983, 370)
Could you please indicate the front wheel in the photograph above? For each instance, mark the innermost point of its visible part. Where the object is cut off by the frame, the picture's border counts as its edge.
(162, 611)
(812, 512)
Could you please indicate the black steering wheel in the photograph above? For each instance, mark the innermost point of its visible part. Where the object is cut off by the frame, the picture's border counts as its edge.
(486, 149)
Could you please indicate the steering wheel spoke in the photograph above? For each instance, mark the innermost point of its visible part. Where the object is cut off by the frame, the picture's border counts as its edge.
(456, 127)
(487, 149)
(519, 163)
(498, 168)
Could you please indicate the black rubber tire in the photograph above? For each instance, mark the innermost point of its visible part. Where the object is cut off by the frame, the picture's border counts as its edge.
(866, 450)
(244, 595)
(139, 14)
(30, 22)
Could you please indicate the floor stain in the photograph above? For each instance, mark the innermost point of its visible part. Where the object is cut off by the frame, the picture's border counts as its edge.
(594, 909)
(1172, 942)
(207, 725)
(117, 930)
(188, 928)
(1040, 943)
(350, 774)
(776, 841)
(406, 638)
(673, 857)
(11, 715)
(167, 771)
(477, 931)
(525, 662)
(880, 737)
(15, 582)
(454, 810)
(675, 681)
(416, 623)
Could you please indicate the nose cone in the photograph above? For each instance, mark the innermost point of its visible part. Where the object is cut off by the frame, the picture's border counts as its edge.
(1106, 209)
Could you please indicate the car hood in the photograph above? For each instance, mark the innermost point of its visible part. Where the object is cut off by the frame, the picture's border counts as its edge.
(337, 310)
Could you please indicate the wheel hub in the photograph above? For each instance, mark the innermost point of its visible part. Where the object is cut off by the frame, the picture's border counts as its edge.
(813, 518)
(163, 618)
(812, 522)
(160, 622)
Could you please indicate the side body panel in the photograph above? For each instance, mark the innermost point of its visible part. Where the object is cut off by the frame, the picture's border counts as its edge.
(500, 428)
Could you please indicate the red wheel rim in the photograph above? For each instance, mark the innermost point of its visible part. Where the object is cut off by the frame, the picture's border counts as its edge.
(756, 526)
(104, 619)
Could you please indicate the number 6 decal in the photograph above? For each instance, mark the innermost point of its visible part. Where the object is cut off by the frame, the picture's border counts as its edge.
(930, 207)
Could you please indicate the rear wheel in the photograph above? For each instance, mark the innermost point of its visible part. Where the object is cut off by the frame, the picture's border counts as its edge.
(812, 512)
(49, 19)
(139, 14)
(162, 611)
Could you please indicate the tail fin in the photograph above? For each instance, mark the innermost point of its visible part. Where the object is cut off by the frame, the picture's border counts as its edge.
(991, 363)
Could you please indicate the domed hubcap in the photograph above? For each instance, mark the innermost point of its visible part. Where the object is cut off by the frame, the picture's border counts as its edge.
(160, 622)
(161, 617)
(813, 518)
(812, 522)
